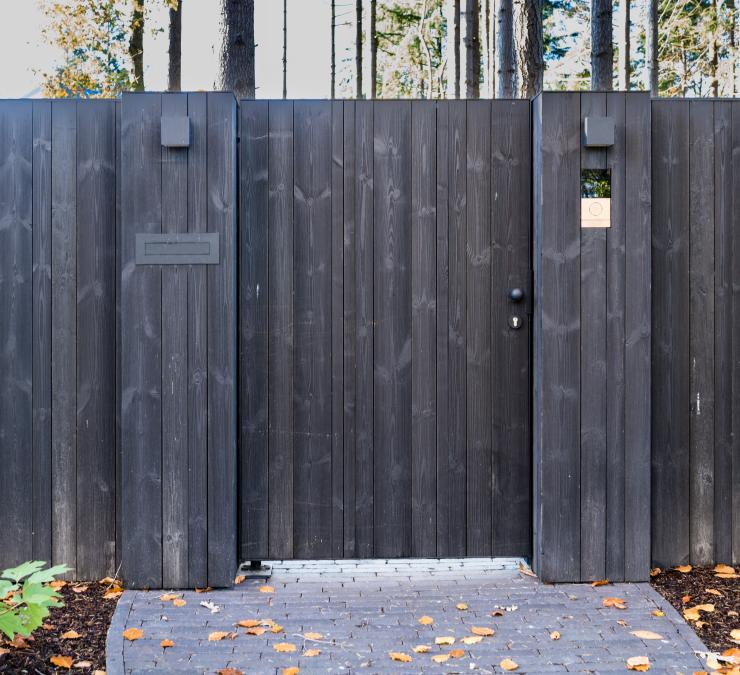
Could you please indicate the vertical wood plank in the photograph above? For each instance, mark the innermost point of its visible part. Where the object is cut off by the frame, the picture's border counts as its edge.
(423, 330)
(312, 295)
(64, 329)
(280, 318)
(175, 459)
(96, 340)
(735, 301)
(16, 330)
(253, 293)
(392, 299)
(141, 333)
(478, 328)
(701, 328)
(42, 336)
(222, 214)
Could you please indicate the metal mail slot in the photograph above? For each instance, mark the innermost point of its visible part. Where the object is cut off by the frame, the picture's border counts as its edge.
(177, 249)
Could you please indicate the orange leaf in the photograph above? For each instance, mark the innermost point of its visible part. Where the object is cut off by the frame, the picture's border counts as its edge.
(714, 591)
(179, 602)
(312, 652)
(284, 647)
(444, 640)
(267, 589)
(230, 671)
(239, 579)
(462, 606)
(248, 623)
(721, 568)
(422, 649)
(484, 631)
(132, 634)
(56, 585)
(555, 635)
(640, 663)
(646, 635)
(658, 612)
(113, 594)
(217, 635)
(684, 569)
(203, 590)
(440, 658)
(70, 635)
(426, 621)
(457, 653)
(655, 571)
(166, 643)
(619, 603)
(62, 661)
(167, 597)
(400, 656)
(276, 628)
(685, 599)
(600, 582)
(80, 588)
(292, 670)
(472, 639)
(256, 630)
(313, 636)
(508, 664)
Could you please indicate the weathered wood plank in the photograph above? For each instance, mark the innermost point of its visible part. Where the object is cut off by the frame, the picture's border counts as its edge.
(701, 329)
(392, 297)
(96, 340)
(280, 319)
(42, 336)
(478, 329)
(735, 301)
(423, 330)
(64, 329)
(175, 464)
(222, 214)
(312, 295)
(141, 334)
(253, 293)
(16, 330)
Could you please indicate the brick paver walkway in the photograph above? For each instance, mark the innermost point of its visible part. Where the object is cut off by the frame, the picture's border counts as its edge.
(364, 610)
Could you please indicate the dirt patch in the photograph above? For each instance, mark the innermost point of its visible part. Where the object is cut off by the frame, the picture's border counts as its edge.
(87, 613)
(702, 586)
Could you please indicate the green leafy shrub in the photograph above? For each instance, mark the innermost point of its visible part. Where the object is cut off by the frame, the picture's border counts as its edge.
(25, 597)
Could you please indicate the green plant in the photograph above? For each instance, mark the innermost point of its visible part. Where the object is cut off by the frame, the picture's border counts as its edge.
(25, 597)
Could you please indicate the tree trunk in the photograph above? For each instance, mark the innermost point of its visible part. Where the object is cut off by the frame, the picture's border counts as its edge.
(333, 49)
(653, 69)
(452, 15)
(714, 52)
(472, 50)
(602, 50)
(492, 47)
(529, 47)
(358, 48)
(733, 47)
(285, 48)
(373, 50)
(625, 52)
(236, 71)
(136, 44)
(174, 67)
(505, 72)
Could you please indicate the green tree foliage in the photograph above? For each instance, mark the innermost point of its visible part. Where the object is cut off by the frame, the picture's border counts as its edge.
(93, 38)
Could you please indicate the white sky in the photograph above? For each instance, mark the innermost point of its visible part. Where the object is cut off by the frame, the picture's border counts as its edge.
(22, 52)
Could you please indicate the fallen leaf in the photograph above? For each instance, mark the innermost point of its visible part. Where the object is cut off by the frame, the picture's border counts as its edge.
(83, 664)
(655, 571)
(80, 588)
(714, 591)
(508, 664)
(132, 634)
(472, 639)
(658, 612)
(483, 631)
(618, 603)
(422, 649)
(600, 582)
(203, 590)
(229, 671)
(98, 672)
(555, 635)
(4, 651)
(70, 635)
(700, 624)
(313, 636)
(721, 568)
(166, 643)
(685, 599)
(622, 622)
(526, 571)
(62, 661)
(457, 653)
(727, 576)
(284, 647)
(646, 635)
(444, 640)
(19, 642)
(256, 630)
(440, 658)
(735, 635)
(179, 602)
(217, 635)
(497, 612)
(641, 663)
(106, 581)
(311, 652)
(57, 584)
(248, 623)
(239, 579)
(292, 670)
(400, 656)
(684, 569)
(426, 621)
(210, 605)
(113, 594)
(694, 613)
(733, 653)
(462, 606)
(267, 589)
(168, 597)
(276, 628)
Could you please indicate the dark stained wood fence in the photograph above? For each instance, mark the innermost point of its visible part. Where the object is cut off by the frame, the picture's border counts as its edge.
(696, 332)
(384, 399)
(591, 345)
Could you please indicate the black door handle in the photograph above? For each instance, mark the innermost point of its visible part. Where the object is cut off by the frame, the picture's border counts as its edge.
(516, 294)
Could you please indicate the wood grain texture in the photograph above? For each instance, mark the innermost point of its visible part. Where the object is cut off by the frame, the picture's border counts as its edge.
(735, 300)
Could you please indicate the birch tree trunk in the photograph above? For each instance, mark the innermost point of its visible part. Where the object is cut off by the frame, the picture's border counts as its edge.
(333, 67)
(285, 48)
(452, 16)
(174, 65)
(625, 49)
(529, 43)
(733, 47)
(236, 68)
(652, 69)
(358, 48)
(136, 44)
(373, 49)
(505, 71)
(602, 50)
(472, 49)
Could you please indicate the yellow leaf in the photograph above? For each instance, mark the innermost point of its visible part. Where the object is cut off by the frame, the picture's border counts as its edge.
(440, 658)
(655, 571)
(426, 621)
(70, 635)
(56, 585)
(640, 663)
(230, 671)
(658, 612)
(217, 635)
(444, 640)
(313, 636)
(168, 597)
(694, 613)
(107, 581)
(700, 624)
(422, 649)
(132, 634)
(457, 653)
(312, 652)
(484, 631)
(735, 635)
(276, 628)
(292, 670)
(619, 603)
(600, 582)
(179, 602)
(508, 664)
(62, 661)
(462, 606)
(284, 647)
(399, 656)
(267, 589)
(684, 569)
(714, 591)
(248, 623)
(721, 568)
(113, 594)
(256, 630)
(721, 575)
(166, 643)
(472, 639)
(555, 635)
(239, 579)
(98, 672)
(646, 635)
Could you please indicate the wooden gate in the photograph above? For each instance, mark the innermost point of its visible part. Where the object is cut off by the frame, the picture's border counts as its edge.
(384, 379)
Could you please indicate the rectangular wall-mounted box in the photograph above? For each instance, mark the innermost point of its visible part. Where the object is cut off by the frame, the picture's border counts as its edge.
(177, 249)
(175, 132)
(598, 132)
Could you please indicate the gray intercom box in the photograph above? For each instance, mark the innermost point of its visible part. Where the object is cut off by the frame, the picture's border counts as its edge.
(598, 132)
(175, 132)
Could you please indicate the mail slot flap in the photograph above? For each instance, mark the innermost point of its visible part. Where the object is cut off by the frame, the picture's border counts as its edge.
(194, 248)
